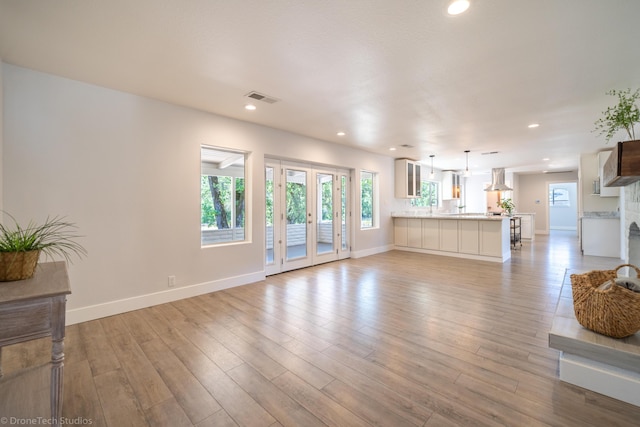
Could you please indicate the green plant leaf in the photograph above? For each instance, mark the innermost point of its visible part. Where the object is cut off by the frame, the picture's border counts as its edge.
(622, 116)
(55, 237)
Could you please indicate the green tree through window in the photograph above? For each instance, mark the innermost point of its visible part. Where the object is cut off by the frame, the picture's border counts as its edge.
(428, 195)
(367, 199)
(222, 196)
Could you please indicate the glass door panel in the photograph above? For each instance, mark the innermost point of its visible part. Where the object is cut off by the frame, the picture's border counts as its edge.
(344, 209)
(296, 217)
(269, 218)
(324, 213)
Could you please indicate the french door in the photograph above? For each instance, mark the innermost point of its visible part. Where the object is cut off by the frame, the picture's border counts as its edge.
(307, 212)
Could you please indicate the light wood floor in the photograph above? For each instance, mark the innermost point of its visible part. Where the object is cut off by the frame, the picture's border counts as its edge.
(396, 339)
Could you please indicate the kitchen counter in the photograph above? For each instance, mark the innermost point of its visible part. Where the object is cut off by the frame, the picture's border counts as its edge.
(472, 236)
(601, 215)
(464, 216)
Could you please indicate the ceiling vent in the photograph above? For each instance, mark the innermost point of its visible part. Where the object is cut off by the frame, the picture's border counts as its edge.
(262, 97)
(488, 153)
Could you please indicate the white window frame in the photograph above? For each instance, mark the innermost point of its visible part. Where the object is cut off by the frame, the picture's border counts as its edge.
(221, 161)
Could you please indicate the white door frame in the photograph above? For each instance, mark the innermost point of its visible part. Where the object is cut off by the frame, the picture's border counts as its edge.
(276, 261)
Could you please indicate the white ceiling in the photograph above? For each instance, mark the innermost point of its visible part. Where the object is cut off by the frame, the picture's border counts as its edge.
(386, 72)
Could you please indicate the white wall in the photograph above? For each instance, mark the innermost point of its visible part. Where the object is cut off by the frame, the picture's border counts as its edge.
(475, 200)
(533, 196)
(589, 171)
(126, 170)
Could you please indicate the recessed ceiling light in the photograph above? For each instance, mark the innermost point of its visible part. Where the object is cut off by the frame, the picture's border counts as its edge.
(392, 149)
(341, 134)
(250, 107)
(456, 7)
(546, 159)
(533, 125)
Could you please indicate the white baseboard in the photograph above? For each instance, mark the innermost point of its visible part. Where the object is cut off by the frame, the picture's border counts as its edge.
(605, 379)
(371, 251)
(84, 314)
(505, 256)
(564, 228)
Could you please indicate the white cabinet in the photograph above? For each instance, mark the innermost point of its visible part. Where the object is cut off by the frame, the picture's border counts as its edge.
(468, 238)
(601, 237)
(449, 235)
(605, 191)
(450, 185)
(400, 235)
(465, 238)
(407, 232)
(492, 242)
(407, 185)
(431, 234)
(528, 225)
(414, 232)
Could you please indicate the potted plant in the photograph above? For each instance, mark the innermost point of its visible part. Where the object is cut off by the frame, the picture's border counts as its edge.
(625, 115)
(621, 168)
(20, 247)
(507, 205)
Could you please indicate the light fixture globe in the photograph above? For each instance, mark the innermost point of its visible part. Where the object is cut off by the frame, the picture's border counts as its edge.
(457, 7)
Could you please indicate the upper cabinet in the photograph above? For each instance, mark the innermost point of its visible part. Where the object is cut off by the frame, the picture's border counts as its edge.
(450, 185)
(407, 179)
(603, 156)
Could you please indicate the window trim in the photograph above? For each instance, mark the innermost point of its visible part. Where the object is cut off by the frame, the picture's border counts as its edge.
(375, 208)
(206, 170)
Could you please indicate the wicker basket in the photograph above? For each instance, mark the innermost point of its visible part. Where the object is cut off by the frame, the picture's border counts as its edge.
(18, 265)
(614, 312)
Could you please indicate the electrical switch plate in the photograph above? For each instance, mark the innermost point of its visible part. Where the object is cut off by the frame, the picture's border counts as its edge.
(172, 281)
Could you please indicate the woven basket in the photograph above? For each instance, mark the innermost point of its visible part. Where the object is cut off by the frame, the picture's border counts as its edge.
(18, 265)
(614, 312)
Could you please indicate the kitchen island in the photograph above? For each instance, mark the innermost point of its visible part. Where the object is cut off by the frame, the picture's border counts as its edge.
(472, 236)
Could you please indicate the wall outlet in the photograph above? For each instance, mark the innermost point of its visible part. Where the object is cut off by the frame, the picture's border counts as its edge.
(171, 281)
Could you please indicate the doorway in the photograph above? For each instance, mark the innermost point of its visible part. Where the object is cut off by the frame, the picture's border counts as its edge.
(307, 211)
(563, 206)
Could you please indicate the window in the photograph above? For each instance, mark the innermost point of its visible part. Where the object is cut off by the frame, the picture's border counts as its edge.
(222, 196)
(428, 195)
(367, 199)
(559, 197)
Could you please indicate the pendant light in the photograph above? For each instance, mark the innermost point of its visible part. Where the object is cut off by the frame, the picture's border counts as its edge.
(432, 175)
(467, 172)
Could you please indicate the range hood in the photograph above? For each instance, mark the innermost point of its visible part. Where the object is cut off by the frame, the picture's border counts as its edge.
(497, 181)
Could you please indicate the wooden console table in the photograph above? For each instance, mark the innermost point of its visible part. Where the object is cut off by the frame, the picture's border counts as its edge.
(35, 308)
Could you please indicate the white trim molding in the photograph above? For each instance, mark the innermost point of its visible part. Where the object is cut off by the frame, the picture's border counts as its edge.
(92, 312)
